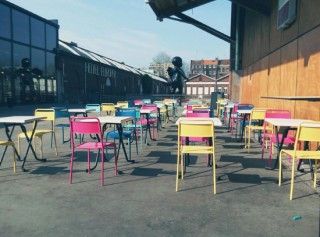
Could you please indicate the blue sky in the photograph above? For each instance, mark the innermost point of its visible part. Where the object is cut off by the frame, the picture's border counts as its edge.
(127, 30)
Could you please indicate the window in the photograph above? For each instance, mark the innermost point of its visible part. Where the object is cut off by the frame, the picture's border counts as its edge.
(5, 66)
(206, 90)
(38, 68)
(200, 90)
(20, 22)
(211, 89)
(188, 90)
(51, 80)
(23, 83)
(194, 90)
(37, 33)
(51, 37)
(5, 52)
(5, 29)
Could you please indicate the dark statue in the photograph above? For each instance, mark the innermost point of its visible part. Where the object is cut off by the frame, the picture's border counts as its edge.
(176, 76)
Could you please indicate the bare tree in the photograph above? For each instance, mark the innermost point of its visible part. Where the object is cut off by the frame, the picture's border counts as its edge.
(161, 57)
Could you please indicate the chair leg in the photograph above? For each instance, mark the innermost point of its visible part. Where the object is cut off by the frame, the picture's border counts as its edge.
(14, 160)
(182, 165)
(245, 137)
(315, 174)
(71, 166)
(280, 169)
(102, 167)
(19, 148)
(88, 161)
(55, 143)
(214, 173)
(41, 147)
(136, 138)
(129, 143)
(115, 161)
(249, 138)
(292, 178)
(141, 139)
(177, 176)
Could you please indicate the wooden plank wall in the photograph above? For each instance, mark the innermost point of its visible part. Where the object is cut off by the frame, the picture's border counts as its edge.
(282, 63)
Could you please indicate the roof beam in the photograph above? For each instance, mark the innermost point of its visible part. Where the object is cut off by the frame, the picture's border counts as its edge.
(259, 6)
(187, 19)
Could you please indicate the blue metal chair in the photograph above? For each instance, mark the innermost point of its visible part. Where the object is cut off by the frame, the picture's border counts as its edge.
(129, 132)
(62, 113)
(146, 101)
(95, 107)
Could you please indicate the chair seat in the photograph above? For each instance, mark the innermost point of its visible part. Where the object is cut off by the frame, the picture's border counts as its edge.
(65, 125)
(6, 143)
(197, 149)
(94, 145)
(142, 122)
(287, 140)
(37, 133)
(115, 134)
(255, 127)
(303, 154)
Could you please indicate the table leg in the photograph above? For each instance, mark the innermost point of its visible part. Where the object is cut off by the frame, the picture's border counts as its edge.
(243, 126)
(148, 129)
(29, 140)
(9, 135)
(279, 145)
(121, 143)
(230, 112)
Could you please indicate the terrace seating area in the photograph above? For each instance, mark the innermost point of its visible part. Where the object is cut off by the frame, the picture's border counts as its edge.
(144, 168)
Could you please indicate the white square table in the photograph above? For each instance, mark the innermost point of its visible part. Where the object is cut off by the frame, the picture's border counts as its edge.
(118, 121)
(13, 121)
(147, 112)
(283, 126)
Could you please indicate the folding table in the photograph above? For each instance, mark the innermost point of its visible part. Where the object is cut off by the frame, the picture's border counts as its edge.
(13, 121)
(147, 112)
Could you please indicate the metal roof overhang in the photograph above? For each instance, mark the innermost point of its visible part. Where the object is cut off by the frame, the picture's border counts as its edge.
(169, 8)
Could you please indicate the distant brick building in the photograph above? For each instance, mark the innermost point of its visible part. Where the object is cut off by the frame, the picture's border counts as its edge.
(209, 67)
(203, 85)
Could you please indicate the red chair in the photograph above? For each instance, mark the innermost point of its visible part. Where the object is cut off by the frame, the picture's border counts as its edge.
(89, 125)
(271, 137)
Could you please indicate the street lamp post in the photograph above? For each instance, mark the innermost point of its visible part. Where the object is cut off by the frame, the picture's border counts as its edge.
(217, 75)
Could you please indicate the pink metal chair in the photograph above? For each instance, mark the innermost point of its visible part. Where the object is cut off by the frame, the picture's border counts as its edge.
(153, 117)
(138, 102)
(271, 137)
(233, 118)
(89, 125)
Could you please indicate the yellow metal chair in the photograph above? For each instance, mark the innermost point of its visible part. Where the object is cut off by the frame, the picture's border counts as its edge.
(195, 128)
(49, 115)
(109, 108)
(163, 111)
(220, 106)
(255, 124)
(307, 132)
(9, 143)
(122, 104)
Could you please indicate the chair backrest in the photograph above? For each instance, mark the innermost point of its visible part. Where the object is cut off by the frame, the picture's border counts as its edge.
(95, 107)
(48, 113)
(130, 112)
(108, 107)
(198, 113)
(150, 106)
(85, 125)
(235, 109)
(258, 114)
(199, 128)
(245, 106)
(138, 102)
(146, 101)
(123, 104)
(308, 131)
(61, 112)
(278, 113)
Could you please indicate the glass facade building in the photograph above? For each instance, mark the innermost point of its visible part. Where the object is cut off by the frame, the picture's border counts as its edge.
(28, 47)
